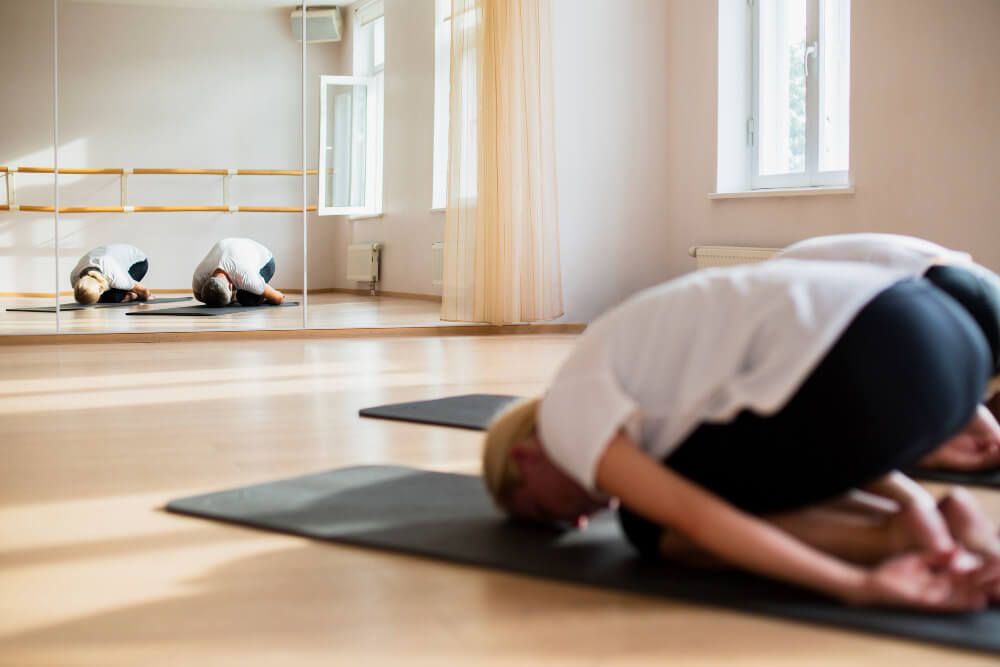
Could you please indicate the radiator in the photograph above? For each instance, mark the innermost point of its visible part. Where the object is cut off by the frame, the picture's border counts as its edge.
(437, 263)
(363, 262)
(729, 255)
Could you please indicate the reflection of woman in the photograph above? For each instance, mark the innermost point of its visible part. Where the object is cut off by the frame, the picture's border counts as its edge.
(110, 274)
(236, 270)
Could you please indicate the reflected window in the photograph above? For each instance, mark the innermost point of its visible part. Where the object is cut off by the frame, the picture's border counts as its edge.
(352, 113)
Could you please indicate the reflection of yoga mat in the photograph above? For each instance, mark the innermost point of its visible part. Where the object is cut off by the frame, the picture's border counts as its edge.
(986, 478)
(450, 517)
(208, 311)
(76, 306)
(471, 411)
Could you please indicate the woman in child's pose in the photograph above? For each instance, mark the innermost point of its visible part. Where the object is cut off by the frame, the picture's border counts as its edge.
(738, 414)
(110, 274)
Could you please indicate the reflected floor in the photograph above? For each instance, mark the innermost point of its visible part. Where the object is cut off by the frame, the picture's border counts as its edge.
(325, 311)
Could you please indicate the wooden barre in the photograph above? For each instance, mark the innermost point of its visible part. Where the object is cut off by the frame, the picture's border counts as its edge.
(273, 209)
(189, 172)
(183, 172)
(181, 209)
(50, 170)
(92, 209)
(275, 172)
(160, 209)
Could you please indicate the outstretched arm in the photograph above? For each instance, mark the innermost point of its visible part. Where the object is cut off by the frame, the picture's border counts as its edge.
(740, 539)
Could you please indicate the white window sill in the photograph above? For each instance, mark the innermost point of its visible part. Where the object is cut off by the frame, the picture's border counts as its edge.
(365, 216)
(438, 209)
(785, 192)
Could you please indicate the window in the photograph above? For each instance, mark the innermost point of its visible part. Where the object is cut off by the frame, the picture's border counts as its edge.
(442, 100)
(352, 113)
(795, 68)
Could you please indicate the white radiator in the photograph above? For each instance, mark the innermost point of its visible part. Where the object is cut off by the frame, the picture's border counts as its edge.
(363, 262)
(437, 263)
(729, 255)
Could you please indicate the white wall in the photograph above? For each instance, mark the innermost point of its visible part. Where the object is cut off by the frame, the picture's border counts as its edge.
(154, 86)
(611, 106)
(26, 239)
(636, 109)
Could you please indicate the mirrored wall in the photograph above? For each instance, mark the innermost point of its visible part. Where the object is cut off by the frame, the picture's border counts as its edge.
(186, 165)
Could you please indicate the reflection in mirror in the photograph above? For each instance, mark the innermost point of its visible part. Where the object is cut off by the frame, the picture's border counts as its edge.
(186, 175)
(347, 111)
(27, 227)
(375, 240)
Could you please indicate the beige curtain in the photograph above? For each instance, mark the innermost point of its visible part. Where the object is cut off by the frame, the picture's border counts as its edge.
(501, 241)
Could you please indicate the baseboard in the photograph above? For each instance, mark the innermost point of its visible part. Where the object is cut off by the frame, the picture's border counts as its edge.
(431, 330)
(436, 298)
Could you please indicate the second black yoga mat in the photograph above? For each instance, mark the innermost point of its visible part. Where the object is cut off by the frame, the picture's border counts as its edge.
(202, 310)
(450, 517)
(75, 306)
(471, 411)
(474, 411)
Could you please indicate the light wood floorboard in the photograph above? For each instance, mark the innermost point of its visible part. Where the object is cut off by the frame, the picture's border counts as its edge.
(325, 311)
(94, 439)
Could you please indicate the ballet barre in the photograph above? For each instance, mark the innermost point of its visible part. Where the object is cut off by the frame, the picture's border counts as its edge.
(123, 174)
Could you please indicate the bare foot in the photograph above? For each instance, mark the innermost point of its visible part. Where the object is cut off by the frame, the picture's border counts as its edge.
(969, 524)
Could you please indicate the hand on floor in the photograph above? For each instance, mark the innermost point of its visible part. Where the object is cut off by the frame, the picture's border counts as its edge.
(931, 582)
(975, 448)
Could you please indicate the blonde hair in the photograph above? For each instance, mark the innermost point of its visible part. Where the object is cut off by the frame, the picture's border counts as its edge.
(89, 287)
(510, 427)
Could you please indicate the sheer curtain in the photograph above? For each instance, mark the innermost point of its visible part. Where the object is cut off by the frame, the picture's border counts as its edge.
(501, 241)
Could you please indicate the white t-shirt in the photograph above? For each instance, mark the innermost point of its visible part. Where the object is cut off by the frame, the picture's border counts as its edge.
(241, 259)
(909, 253)
(701, 348)
(113, 260)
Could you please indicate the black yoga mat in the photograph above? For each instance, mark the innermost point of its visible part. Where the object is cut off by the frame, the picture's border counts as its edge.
(471, 411)
(202, 310)
(474, 411)
(450, 517)
(76, 306)
(989, 478)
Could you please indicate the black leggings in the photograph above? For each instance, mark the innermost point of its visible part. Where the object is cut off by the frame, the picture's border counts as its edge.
(137, 271)
(978, 291)
(246, 298)
(905, 376)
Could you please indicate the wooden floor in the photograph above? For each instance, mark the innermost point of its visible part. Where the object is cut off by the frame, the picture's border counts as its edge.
(94, 439)
(324, 311)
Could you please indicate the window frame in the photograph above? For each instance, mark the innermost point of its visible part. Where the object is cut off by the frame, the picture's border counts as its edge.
(372, 182)
(365, 72)
(811, 176)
